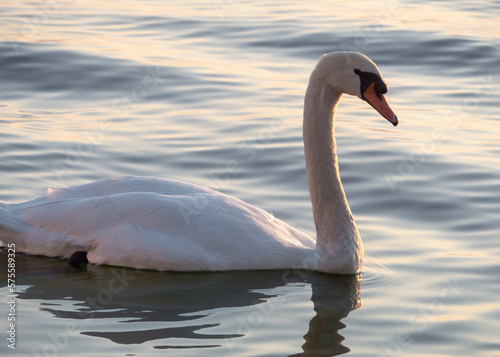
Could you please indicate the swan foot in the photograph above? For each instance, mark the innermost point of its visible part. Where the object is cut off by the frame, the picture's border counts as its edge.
(78, 259)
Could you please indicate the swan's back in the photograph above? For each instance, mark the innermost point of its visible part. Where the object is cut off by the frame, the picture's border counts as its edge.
(153, 223)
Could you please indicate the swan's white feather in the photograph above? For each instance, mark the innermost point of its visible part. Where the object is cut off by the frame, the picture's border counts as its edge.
(152, 223)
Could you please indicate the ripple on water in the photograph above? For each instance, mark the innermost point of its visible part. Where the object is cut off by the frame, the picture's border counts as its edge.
(427, 217)
(376, 275)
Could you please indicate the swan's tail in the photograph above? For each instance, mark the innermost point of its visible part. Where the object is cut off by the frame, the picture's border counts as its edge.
(6, 227)
(33, 239)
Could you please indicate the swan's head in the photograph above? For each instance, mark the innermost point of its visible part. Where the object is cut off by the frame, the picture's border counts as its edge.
(355, 74)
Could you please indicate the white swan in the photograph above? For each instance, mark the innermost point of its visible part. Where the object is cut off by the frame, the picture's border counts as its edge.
(159, 224)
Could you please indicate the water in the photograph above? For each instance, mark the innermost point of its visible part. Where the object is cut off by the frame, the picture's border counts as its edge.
(212, 93)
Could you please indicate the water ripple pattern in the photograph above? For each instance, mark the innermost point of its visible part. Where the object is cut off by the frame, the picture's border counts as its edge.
(211, 92)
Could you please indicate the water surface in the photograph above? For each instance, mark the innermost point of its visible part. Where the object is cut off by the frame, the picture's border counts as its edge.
(212, 93)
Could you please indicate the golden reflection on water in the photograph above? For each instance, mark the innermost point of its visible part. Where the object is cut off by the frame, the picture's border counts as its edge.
(455, 154)
(438, 18)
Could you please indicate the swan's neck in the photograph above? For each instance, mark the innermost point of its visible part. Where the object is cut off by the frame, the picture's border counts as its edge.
(338, 241)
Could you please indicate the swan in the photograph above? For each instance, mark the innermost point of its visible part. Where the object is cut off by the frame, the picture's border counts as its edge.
(168, 225)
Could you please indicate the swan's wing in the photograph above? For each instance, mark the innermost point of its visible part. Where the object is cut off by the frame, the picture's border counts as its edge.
(64, 220)
(124, 184)
(199, 229)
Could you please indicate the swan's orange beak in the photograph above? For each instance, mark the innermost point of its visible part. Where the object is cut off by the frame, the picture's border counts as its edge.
(379, 103)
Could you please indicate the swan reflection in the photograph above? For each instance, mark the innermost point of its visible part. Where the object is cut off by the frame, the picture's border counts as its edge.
(168, 309)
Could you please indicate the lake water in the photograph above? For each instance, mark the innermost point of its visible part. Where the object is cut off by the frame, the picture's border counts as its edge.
(212, 93)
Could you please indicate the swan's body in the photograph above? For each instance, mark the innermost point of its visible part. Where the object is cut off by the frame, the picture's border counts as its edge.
(158, 224)
(162, 224)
